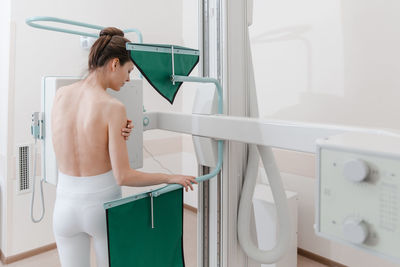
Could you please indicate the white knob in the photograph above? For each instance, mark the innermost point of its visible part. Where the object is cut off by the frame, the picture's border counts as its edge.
(355, 230)
(356, 170)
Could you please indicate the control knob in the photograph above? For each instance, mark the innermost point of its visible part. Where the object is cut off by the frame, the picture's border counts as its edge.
(356, 170)
(355, 230)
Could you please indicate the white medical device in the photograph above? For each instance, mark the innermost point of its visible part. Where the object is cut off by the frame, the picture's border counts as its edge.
(130, 95)
(358, 193)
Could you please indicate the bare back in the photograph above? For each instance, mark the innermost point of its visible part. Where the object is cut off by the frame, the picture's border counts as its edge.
(80, 120)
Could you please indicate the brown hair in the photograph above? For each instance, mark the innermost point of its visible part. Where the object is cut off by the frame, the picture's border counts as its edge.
(109, 45)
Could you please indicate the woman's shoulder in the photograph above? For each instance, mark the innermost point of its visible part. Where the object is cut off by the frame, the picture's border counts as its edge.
(67, 88)
(62, 91)
(110, 100)
(112, 104)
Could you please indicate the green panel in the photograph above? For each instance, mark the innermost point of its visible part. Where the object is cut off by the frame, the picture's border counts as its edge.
(132, 241)
(156, 67)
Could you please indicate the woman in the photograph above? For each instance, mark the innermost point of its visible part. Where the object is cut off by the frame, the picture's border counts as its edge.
(91, 153)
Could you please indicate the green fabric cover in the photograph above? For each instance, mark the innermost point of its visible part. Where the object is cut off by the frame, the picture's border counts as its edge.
(156, 67)
(131, 240)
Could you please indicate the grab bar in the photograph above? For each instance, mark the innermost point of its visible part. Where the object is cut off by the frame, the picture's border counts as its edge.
(32, 22)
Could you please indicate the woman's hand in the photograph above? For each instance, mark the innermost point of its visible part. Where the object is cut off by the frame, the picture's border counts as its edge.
(126, 132)
(184, 180)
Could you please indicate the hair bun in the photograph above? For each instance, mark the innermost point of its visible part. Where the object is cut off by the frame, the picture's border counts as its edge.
(111, 31)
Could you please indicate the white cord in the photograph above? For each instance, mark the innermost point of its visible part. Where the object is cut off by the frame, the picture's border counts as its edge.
(33, 189)
(285, 229)
(156, 160)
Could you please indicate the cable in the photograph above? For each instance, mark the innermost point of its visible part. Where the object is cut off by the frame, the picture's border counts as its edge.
(156, 160)
(285, 229)
(33, 189)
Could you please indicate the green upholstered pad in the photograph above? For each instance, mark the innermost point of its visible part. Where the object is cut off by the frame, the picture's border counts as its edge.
(155, 64)
(131, 240)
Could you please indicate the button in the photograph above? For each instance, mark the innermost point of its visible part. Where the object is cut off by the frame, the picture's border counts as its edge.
(355, 230)
(356, 170)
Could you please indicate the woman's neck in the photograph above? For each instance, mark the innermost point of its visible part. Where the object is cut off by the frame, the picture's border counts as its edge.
(96, 80)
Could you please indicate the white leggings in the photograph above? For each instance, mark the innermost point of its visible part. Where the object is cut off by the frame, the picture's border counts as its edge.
(79, 216)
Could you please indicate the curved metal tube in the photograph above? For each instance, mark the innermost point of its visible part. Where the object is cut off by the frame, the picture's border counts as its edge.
(202, 178)
(177, 78)
(139, 34)
(32, 22)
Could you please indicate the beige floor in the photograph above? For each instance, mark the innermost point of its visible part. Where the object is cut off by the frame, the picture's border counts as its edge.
(50, 259)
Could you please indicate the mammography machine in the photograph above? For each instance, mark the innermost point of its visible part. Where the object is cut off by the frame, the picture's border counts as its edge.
(358, 171)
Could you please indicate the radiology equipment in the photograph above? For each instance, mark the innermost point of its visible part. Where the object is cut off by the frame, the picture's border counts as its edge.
(158, 62)
(358, 192)
(33, 23)
(355, 161)
(138, 237)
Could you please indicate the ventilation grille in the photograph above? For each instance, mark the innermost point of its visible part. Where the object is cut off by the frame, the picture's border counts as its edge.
(24, 166)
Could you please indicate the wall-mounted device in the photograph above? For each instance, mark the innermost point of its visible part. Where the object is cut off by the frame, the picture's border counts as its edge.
(358, 193)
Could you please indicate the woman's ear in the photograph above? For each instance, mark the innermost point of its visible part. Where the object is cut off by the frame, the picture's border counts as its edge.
(114, 64)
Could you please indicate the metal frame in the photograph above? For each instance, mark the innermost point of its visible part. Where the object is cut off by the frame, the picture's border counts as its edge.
(162, 49)
(32, 22)
(280, 134)
(215, 68)
(203, 209)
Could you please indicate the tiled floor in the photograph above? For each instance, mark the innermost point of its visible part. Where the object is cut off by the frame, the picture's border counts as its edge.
(50, 258)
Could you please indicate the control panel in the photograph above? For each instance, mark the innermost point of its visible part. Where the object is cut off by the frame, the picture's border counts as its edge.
(358, 192)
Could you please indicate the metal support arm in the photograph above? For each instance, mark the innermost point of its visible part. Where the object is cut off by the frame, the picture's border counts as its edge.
(33, 23)
(280, 134)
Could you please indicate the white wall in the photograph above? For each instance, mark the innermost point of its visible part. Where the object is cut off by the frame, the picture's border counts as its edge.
(39, 53)
(329, 62)
(332, 62)
(5, 15)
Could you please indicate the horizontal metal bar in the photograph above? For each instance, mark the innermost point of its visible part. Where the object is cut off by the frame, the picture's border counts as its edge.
(122, 201)
(32, 22)
(280, 134)
(161, 49)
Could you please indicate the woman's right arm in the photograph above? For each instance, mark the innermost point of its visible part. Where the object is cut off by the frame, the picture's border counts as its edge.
(120, 160)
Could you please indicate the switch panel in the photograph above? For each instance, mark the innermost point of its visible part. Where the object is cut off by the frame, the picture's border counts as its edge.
(358, 192)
